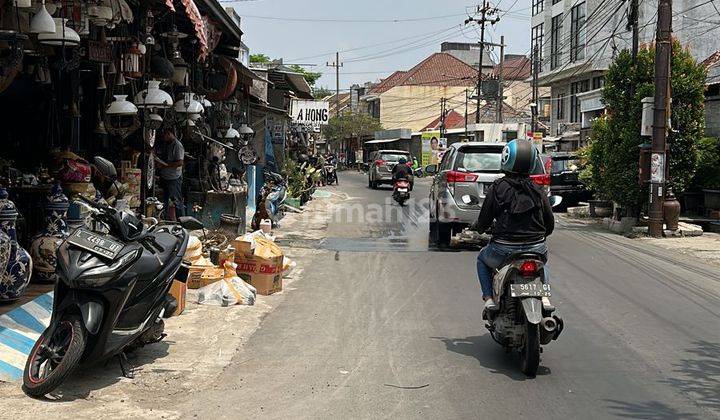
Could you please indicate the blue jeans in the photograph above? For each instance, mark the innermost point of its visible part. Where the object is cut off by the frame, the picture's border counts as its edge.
(494, 254)
(172, 190)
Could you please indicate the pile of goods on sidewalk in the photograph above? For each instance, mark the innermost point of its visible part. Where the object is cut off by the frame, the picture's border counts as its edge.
(252, 264)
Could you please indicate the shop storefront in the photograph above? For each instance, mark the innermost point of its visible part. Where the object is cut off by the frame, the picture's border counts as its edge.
(88, 90)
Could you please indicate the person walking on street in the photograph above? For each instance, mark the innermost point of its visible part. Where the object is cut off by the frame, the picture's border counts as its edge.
(171, 154)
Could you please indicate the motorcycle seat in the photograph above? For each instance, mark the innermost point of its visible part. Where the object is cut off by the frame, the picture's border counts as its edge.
(524, 255)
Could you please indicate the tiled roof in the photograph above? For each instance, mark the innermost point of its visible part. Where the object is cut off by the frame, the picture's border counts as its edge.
(452, 120)
(514, 69)
(388, 83)
(440, 69)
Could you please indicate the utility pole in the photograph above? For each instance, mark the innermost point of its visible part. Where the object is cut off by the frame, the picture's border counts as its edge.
(442, 117)
(337, 64)
(466, 112)
(485, 12)
(658, 161)
(501, 88)
(633, 17)
(535, 107)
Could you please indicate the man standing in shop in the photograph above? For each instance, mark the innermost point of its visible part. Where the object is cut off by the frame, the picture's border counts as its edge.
(171, 156)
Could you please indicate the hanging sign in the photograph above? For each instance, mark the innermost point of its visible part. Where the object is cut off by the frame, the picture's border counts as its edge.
(311, 113)
(657, 168)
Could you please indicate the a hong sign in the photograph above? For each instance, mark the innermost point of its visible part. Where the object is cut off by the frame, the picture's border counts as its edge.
(311, 113)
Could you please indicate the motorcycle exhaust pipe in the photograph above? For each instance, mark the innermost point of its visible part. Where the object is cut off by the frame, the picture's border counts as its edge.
(548, 326)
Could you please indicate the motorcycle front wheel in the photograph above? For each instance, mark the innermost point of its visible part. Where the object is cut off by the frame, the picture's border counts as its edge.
(530, 352)
(54, 357)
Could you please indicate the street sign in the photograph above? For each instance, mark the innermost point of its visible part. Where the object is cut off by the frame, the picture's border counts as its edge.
(310, 113)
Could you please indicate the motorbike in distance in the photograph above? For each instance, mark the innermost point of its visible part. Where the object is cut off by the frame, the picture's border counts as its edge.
(330, 174)
(525, 319)
(401, 191)
(111, 296)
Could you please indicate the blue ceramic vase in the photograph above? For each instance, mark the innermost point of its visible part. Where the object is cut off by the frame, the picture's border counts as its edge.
(15, 262)
(45, 244)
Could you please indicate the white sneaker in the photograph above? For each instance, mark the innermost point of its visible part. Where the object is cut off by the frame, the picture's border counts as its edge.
(490, 305)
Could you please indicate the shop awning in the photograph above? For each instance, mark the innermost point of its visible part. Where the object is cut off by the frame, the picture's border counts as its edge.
(246, 72)
(382, 141)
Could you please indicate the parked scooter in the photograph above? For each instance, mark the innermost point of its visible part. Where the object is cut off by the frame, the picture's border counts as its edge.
(111, 295)
(525, 319)
(401, 191)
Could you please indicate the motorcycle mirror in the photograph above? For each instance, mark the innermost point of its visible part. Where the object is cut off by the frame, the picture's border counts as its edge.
(555, 200)
(190, 223)
(470, 200)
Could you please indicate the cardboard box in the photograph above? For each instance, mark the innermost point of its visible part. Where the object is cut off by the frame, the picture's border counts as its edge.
(263, 268)
(178, 290)
(205, 276)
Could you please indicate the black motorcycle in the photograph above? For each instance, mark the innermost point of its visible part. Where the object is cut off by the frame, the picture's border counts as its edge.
(330, 174)
(111, 297)
(525, 319)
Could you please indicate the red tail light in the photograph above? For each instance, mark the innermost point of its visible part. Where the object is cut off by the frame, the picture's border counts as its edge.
(548, 165)
(541, 180)
(528, 268)
(457, 176)
(402, 184)
(379, 162)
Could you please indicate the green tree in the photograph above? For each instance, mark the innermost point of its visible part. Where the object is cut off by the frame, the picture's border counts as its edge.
(350, 126)
(322, 92)
(259, 58)
(613, 152)
(310, 76)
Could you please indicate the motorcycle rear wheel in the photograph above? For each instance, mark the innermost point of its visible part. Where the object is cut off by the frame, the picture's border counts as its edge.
(53, 358)
(530, 352)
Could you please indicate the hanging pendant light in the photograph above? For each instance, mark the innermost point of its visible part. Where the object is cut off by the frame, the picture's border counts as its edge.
(188, 105)
(121, 106)
(63, 35)
(42, 22)
(229, 134)
(245, 130)
(131, 63)
(153, 97)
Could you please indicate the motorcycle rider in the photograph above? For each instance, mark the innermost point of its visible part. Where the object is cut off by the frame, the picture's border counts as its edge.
(522, 214)
(402, 171)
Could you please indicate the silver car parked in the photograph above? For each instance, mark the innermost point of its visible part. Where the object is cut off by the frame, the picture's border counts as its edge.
(466, 169)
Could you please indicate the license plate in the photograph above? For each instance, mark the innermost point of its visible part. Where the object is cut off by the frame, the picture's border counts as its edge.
(96, 243)
(402, 189)
(534, 289)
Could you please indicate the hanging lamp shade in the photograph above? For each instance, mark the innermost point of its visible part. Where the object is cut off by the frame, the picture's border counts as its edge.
(153, 97)
(62, 35)
(230, 134)
(42, 22)
(245, 129)
(121, 106)
(188, 105)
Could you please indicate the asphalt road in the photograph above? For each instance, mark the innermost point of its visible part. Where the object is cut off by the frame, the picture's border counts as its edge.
(382, 327)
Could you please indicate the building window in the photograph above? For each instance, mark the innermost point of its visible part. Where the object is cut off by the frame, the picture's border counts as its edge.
(598, 82)
(537, 6)
(575, 88)
(560, 106)
(577, 32)
(537, 40)
(556, 42)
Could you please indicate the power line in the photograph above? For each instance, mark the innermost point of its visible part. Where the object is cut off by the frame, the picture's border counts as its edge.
(347, 20)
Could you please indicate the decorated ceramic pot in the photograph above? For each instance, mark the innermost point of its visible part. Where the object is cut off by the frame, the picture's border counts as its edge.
(46, 243)
(15, 262)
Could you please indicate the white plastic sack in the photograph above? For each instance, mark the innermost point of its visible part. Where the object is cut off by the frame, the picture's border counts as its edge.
(227, 292)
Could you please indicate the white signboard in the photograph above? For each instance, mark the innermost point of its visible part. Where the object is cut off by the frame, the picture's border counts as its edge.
(657, 168)
(310, 113)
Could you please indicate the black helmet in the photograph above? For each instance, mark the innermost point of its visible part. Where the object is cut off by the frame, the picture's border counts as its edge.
(105, 167)
(519, 157)
(402, 161)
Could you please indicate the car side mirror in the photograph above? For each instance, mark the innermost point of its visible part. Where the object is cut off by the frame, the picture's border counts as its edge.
(555, 200)
(431, 169)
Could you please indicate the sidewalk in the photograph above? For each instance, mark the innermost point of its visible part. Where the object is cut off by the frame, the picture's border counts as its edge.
(200, 343)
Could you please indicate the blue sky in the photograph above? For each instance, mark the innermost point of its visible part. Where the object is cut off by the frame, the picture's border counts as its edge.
(402, 44)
